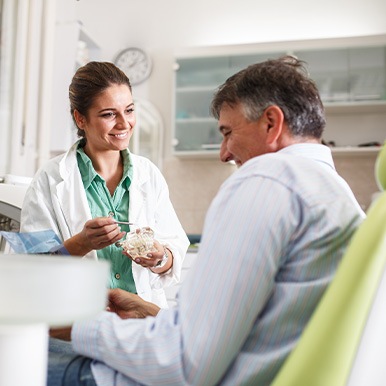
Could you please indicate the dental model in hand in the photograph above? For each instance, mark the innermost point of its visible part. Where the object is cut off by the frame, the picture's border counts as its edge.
(139, 243)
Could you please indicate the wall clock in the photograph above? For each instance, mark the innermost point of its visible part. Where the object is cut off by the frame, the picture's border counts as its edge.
(135, 63)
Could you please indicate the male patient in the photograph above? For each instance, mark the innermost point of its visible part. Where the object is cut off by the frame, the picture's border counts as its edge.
(272, 239)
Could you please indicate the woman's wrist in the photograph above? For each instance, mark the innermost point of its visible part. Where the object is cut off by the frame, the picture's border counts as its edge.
(75, 246)
(161, 263)
(165, 264)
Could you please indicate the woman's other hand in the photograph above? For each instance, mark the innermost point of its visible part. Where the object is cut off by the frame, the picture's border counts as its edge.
(97, 233)
(152, 259)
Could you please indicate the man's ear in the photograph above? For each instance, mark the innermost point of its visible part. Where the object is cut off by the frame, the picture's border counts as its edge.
(79, 119)
(274, 119)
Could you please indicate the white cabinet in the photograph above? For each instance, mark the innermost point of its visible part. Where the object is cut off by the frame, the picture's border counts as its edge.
(350, 74)
(73, 48)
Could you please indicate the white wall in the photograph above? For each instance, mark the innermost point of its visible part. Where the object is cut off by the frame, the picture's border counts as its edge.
(174, 23)
(165, 27)
(27, 29)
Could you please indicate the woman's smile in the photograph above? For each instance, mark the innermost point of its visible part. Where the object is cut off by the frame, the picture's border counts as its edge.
(120, 135)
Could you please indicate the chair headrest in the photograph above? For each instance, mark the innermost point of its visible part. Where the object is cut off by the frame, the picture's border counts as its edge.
(380, 168)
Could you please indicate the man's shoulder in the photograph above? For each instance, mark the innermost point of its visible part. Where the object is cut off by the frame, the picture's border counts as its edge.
(277, 163)
(295, 172)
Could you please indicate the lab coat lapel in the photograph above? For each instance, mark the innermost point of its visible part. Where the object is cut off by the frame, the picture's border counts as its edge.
(138, 195)
(71, 194)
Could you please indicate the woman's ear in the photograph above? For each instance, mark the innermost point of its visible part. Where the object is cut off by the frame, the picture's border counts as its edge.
(79, 119)
(274, 119)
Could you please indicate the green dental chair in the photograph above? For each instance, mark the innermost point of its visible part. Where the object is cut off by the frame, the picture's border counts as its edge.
(344, 344)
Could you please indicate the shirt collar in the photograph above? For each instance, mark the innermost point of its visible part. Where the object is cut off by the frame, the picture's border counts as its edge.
(128, 169)
(316, 151)
(88, 172)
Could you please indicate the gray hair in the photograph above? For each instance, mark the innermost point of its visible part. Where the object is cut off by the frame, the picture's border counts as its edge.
(282, 82)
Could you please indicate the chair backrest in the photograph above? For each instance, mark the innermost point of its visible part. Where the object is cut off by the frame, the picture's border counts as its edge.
(380, 168)
(345, 341)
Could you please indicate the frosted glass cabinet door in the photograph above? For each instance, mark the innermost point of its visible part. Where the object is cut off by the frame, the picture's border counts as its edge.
(196, 80)
(329, 69)
(367, 70)
(348, 74)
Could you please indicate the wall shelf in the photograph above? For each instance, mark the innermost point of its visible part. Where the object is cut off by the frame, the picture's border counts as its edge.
(356, 151)
(356, 107)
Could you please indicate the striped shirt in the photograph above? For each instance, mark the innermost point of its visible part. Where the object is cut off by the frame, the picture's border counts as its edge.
(272, 239)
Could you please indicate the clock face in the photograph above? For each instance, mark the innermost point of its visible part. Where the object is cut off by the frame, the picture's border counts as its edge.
(135, 63)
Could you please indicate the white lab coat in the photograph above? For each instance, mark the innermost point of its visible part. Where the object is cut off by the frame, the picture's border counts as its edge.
(56, 200)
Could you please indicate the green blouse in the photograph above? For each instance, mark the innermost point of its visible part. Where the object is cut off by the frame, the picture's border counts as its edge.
(102, 204)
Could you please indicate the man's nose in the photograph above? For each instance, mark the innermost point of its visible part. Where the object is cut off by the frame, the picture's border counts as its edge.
(225, 155)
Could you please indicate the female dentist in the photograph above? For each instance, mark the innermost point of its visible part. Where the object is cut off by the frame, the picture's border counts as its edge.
(82, 194)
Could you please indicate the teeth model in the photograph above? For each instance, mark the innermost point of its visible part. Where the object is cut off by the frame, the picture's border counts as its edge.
(139, 242)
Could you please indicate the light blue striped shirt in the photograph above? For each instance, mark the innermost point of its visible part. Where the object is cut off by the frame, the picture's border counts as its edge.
(272, 239)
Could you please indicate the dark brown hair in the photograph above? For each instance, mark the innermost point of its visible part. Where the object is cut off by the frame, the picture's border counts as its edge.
(89, 81)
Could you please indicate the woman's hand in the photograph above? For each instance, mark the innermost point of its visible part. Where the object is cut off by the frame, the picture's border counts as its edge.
(101, 232)
(97, 233)
(153, 258)
(127, 305)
